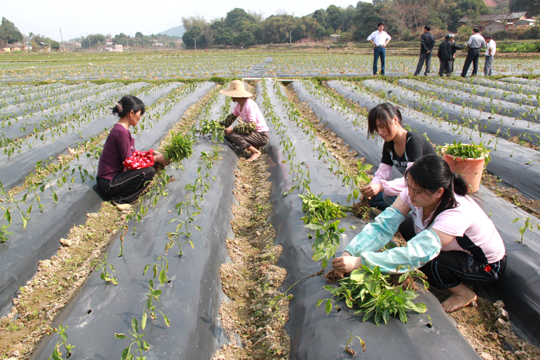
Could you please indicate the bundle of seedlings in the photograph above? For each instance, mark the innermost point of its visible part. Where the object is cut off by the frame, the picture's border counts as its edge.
(374, 295)
(181, 147)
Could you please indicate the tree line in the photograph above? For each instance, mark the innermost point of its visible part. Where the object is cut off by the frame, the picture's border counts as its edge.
(403, 19)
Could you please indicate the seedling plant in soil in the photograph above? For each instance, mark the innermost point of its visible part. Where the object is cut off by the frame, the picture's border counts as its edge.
(142, 346)
(57, 355)
(105, 275)
(374, 295)
(527, 225)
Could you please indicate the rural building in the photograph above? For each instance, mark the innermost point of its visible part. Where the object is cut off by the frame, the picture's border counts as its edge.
(495, 26)
(118, 47)
(496, 22)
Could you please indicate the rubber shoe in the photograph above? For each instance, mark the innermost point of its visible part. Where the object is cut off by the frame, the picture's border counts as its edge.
(121, 207)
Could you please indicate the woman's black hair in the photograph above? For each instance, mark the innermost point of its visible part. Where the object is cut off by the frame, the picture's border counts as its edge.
(126, 104)
(384, 112)
(431, 173)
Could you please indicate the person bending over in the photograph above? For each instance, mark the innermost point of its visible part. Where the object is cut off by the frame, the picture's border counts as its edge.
(114, 181)
(450, 238)
(401, 149)
(252, 132)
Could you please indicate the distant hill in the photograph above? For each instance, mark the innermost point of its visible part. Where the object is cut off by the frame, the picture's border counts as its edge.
(175, 31)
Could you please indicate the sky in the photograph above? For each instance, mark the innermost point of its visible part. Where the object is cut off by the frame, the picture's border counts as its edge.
(76, 17)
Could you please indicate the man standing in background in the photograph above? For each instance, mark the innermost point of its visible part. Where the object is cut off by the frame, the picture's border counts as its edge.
(476, 41)
(490, 52)
(379, 39)
(426, 47)
(446, 55)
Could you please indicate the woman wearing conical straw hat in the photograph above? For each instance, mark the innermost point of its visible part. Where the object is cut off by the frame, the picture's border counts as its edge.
(252, 132)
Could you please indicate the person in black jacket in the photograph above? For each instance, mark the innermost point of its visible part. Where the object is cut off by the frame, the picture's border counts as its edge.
(427, 42)
(446, 53)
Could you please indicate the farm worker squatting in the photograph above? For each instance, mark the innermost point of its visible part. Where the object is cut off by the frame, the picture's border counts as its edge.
(490, 52)
(426, 47)
(379, 39)
(446, 55)
(401, 149)
(449, 237)
(114, 180)
(476, 41)
(252, 132)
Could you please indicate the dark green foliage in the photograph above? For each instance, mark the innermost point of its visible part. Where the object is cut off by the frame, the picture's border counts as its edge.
(374, 295)
(9, 33)
(181, 147)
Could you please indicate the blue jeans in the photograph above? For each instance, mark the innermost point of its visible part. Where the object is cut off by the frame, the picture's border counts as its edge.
(378, 51)
(381, 201)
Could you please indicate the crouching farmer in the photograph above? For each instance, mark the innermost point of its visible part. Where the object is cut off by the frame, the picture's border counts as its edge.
(252, 132)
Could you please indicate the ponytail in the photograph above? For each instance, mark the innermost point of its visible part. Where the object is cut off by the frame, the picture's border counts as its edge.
(126, 104)
(431, 173)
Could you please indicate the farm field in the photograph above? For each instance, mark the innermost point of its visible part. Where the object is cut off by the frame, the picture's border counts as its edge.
(215, 260)
(222, 63)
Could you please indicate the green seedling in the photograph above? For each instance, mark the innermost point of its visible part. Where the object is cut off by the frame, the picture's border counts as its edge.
(317, 209)
(105, 275)
(527, 225)
(150, 309)
(465, 151)
(57, 355)
(180, 147)
(142, 346)
(375, 296)
(326, 240)
(4, 234)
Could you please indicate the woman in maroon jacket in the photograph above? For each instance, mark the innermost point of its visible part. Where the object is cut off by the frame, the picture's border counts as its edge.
(113, 179)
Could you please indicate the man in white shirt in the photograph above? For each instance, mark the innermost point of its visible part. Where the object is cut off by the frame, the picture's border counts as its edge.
(476, 41)
(490, 52)
(379, 39)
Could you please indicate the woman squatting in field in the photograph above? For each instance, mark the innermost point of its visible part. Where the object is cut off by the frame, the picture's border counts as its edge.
(449, 237)
(114, 181)
(252, 132)
(401, 149)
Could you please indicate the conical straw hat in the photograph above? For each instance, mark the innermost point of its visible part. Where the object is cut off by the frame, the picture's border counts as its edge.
(236, 89)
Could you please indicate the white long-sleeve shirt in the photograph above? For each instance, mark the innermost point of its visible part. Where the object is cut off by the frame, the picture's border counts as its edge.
(379, 37)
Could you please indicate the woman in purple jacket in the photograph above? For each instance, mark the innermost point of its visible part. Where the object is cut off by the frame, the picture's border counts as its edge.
(114, 180)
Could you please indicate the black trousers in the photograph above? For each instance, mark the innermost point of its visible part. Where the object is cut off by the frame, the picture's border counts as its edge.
(445, 67)
(423, 57)
(243, 141)
(452, 268)
(472, 57)
(126, 186)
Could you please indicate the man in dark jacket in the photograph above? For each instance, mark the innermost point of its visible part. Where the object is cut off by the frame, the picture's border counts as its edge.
(427, 42)
(446, 52)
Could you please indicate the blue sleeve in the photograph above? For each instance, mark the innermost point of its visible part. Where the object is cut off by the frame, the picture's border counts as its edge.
(376, 234)
(421, 249)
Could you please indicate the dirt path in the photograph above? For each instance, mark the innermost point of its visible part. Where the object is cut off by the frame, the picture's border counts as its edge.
(254, 320)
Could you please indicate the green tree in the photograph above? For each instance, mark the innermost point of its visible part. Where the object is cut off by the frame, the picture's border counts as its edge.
(334, 17)
(531, 6)
(365, 20)
(9, 33)
(469, 8)
(55, 45)
(194, 34)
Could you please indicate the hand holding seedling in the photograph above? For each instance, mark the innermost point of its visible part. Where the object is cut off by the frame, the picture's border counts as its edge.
(229, 130)
(346, 263)
(159, 158)
(372, 190)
